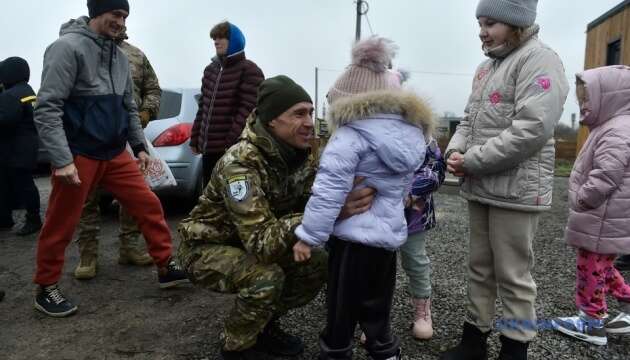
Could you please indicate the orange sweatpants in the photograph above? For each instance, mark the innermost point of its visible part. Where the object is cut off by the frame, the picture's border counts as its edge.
(122, 178)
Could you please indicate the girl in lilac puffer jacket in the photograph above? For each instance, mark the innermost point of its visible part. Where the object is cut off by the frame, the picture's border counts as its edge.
(599, 204)
(380, 136)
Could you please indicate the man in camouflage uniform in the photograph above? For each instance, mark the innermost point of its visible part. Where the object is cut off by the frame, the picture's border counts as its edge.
(146, 94)
(238, 239)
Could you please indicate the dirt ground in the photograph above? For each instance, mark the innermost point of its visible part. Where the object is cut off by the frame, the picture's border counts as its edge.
(124, 315)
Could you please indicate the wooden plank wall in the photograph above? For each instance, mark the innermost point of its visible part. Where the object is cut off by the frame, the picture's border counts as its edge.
(597, 40)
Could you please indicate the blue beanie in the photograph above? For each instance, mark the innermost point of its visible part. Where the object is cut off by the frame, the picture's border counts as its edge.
(236, 40)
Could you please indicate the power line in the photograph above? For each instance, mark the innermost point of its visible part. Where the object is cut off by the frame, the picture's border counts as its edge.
(368, 21)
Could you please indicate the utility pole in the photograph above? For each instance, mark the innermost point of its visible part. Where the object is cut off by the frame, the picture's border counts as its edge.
(359, 13)
(316, 91)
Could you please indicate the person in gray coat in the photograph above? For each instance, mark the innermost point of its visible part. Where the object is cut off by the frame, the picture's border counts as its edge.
(504, 152)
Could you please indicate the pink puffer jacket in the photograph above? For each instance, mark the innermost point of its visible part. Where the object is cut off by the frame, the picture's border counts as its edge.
(599, 187)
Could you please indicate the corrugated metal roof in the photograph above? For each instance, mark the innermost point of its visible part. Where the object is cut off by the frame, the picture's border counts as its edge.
(612, 12)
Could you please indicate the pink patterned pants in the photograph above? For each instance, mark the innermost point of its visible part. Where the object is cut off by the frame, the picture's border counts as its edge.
(597, 277)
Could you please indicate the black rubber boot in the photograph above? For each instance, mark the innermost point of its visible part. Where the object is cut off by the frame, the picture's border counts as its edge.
(512, 349)
(248, 354)
(276, 342)
(473, 345)
(32, 224)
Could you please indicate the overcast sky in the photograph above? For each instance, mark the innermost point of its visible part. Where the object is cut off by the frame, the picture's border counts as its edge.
(292, 37)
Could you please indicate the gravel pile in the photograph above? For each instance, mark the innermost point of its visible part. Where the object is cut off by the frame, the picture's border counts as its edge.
(123, 314)
(447, 244)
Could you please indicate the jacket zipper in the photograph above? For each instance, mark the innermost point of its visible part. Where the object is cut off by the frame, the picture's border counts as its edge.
(111, 56)
(214, 95)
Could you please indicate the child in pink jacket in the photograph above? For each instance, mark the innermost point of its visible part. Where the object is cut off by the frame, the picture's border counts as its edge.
(599, 202)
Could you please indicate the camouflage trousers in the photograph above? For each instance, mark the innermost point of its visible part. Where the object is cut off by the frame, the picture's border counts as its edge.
(89, 228)
(263, 290)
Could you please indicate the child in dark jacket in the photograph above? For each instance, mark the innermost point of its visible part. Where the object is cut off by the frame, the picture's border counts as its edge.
(18, 147)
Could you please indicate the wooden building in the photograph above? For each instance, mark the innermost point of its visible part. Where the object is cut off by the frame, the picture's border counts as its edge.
(607, 43)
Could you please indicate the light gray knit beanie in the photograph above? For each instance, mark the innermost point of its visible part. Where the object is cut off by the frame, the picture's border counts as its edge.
(368, 71)
(519, 13)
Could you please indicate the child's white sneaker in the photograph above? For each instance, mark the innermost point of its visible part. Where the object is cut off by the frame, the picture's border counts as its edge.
(582, 327)
(619, 325)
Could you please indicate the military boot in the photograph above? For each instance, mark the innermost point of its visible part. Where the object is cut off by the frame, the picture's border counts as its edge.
(472, 346)
(32, 224)
(87, 258)
(277, 342)
(129, 255)
(130, 251)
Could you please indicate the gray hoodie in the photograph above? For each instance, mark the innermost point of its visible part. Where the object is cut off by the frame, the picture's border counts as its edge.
(85, 104)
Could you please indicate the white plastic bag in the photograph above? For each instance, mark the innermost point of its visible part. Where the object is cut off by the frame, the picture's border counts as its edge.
(157, 174)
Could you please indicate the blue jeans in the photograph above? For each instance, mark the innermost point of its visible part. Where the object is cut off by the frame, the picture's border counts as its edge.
(417, 266)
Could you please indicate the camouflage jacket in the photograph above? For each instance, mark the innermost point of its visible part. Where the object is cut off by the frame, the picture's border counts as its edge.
(146, 88)
(252, 201)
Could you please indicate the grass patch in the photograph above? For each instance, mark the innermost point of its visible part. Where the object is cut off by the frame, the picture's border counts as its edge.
(563, 167)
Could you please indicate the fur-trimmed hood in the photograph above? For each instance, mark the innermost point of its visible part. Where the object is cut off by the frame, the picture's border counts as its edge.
(408, 105)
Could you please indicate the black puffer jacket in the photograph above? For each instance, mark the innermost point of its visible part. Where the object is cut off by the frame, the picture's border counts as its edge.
(18, 136)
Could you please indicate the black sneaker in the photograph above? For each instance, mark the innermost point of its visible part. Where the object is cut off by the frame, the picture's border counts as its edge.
(174, 276)
(623, 263)
(32, 225)
(51, 302)
(1, 295)
(275, 341)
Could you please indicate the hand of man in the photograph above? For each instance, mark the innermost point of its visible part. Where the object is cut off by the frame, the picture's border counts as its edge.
(68, 174)
(144, 160)
(358, 201)
(301, 251)
(145, 117)
(194, 150)
(455, 164)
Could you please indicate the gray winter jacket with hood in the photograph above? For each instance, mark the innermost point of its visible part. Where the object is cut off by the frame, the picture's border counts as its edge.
(85, 103)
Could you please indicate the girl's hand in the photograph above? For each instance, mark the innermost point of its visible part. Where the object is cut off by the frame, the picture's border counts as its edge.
(301, 251)
(455, 164)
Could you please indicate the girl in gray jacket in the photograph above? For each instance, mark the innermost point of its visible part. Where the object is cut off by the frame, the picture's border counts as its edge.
(379, 136)
(504, 152)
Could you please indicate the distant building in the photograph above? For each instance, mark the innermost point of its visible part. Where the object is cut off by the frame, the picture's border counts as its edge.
(607, 43)
(445, 129)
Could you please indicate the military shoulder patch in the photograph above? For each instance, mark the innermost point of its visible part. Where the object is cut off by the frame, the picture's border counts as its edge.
(238, 187)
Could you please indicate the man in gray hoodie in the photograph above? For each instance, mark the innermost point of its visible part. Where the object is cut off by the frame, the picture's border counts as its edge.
(85, 117)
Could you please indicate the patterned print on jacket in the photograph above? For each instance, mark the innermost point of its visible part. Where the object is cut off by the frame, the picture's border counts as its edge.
(428, 179)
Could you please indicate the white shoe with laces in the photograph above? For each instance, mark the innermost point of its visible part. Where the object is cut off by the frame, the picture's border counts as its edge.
(619, 325)
(582, 327)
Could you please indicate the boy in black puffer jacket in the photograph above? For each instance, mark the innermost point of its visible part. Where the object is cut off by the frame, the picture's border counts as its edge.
(18, 147)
